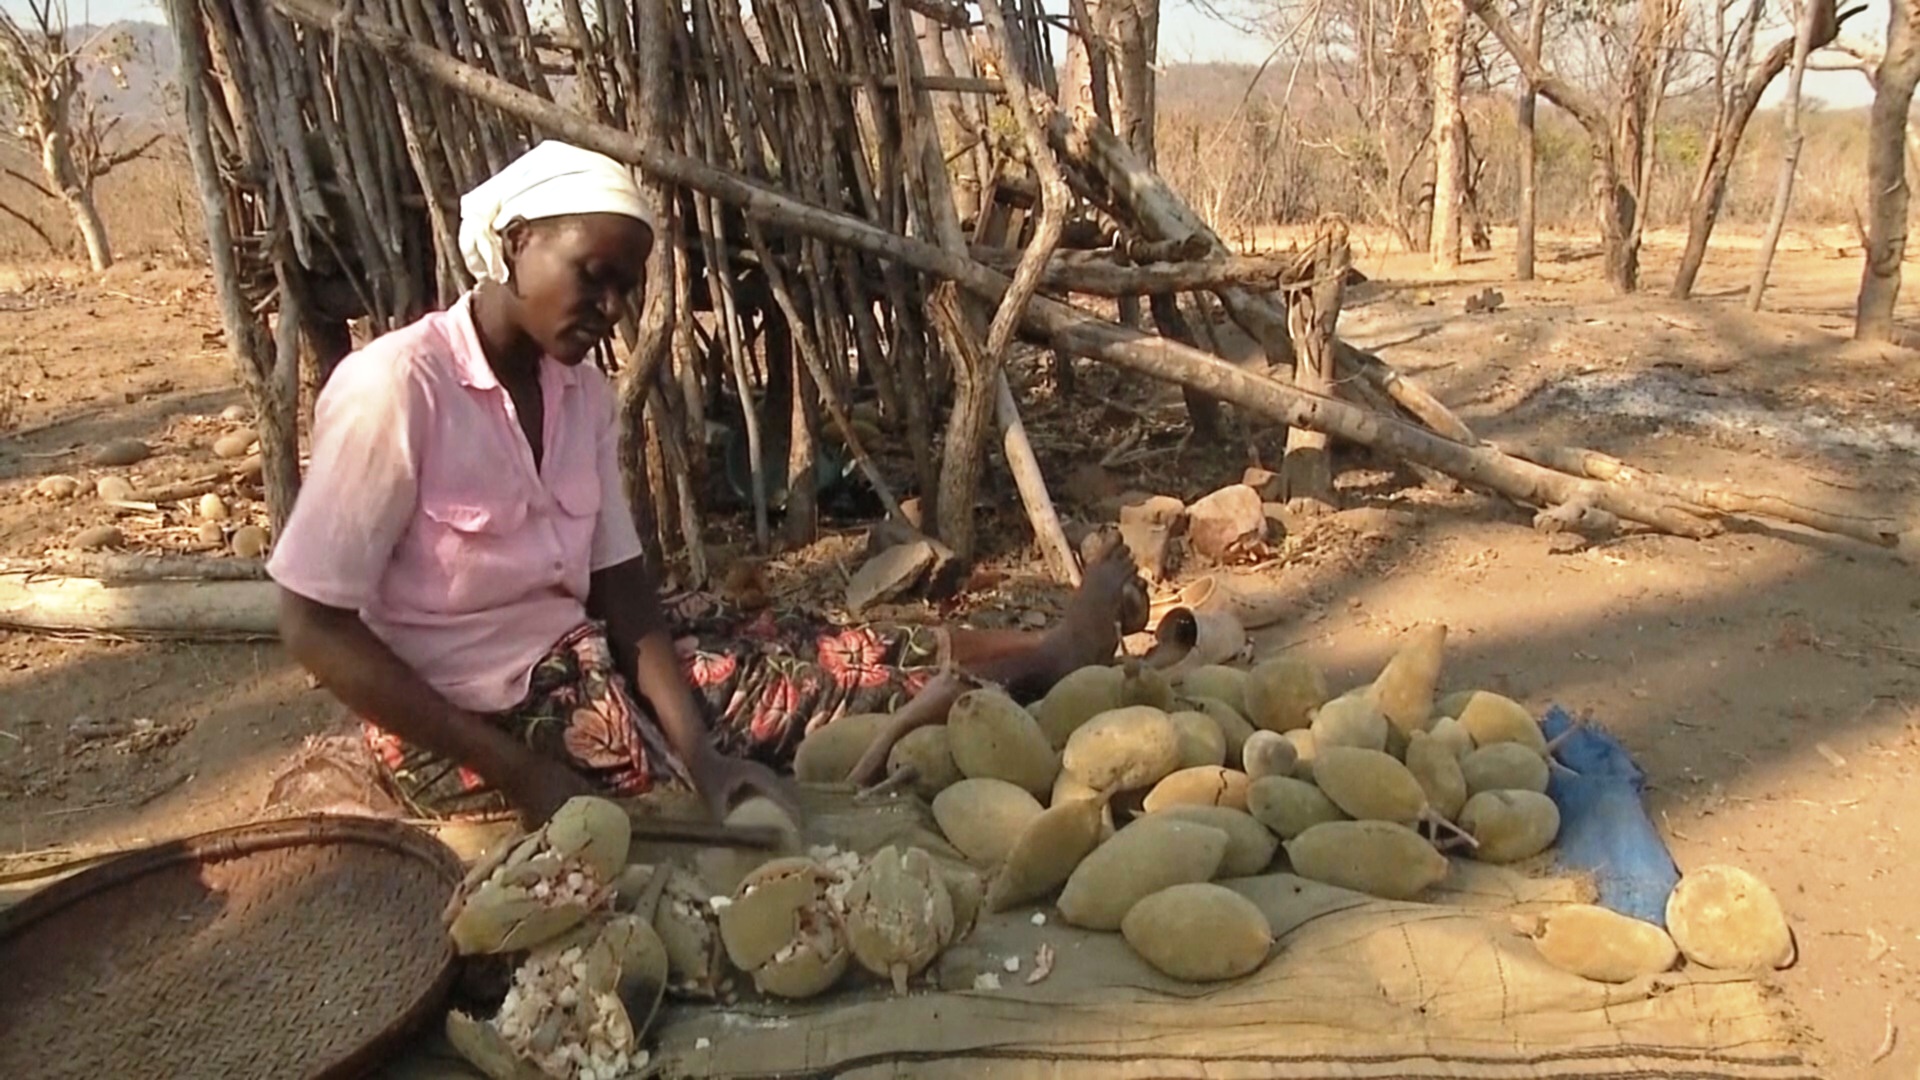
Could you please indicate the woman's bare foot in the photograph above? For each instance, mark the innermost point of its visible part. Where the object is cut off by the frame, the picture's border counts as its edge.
(1111, 602)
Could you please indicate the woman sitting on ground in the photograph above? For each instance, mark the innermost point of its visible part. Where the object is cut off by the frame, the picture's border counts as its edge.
(462, 570)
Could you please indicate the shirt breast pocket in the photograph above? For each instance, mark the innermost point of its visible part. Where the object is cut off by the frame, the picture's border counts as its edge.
(479, 549)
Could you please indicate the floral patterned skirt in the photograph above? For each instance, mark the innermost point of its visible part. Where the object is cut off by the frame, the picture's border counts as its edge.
(764, 684)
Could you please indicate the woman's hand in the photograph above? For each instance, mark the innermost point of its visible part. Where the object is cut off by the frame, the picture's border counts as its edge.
(541, 786)
(720, 778)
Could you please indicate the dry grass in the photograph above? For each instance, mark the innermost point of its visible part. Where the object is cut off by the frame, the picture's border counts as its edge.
(149, 206)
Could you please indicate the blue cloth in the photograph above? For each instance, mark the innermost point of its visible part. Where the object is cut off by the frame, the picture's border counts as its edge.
(1604, 828)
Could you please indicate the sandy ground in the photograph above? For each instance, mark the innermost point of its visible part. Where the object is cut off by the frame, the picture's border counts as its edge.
(1768, 679)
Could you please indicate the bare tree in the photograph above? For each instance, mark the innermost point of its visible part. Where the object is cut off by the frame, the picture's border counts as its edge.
(1738, 84)
(1447, 19)
(1807, 27)
(45, 106)
(1618, 142)
(1893, 85)
(1523, 247)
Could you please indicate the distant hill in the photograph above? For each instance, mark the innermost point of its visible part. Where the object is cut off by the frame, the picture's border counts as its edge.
(149, 74)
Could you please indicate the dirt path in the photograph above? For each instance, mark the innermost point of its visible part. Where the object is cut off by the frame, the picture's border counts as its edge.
(1769, 680)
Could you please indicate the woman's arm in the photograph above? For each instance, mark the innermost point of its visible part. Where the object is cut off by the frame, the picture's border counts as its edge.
(359, 669)
(625, 597)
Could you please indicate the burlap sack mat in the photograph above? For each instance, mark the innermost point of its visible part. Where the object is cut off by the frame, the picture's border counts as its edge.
(1356, 987)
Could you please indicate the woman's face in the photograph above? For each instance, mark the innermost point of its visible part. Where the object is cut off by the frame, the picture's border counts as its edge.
(571, 275)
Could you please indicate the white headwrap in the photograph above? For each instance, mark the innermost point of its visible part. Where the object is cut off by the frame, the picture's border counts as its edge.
(553, 179)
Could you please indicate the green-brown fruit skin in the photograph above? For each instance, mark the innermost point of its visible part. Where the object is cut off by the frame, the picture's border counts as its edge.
(829, 753)
(1491, 718)
(1250, 845)
(1225, 684)
(984, 818)
(1432, 763)
(1123, 750)
(1076, 699)
(1350, 720)
(1148, 855)
(1305, 750)
(1378, 858)
(1283, 692)
(1602, 945)
(1504, 767)
(1201, 740)
(1198, 933)
(1290, 806)
(1510, 825)
(1369, 785)
(1206, 785)
(1233, 726)
(1454, 737)
(930, 754)
(1725, 918)
(1046, 854)
(1146, 686)
(993, 737)
(1404, 689)
(1268, 753)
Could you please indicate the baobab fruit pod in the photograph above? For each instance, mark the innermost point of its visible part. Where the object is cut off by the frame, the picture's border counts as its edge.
(1504, 766)
(1369, 785)
(983, 818)
(1206, 785)
(899, 915)
(1305, 750)
(991, 737)
(1510, 825)
(1282, 693)
(1142, 685)
(1432, 763)
(1234, 726)
(1148, 855)
(1076, 699)
(1453, 704)
(1379, 858)
(1404, 689)
(1201, 740)
(1350, 720)
(1290, 807)
(1725, 918)
(1123, 750)
(1250, 845)
(1198, 933)
(1605, 946)
(1454, 737)
(829, 752)
(1268, 753)
(1069, 788)
(1217, 681)
(1045, 855)
(1491, 719)
(782, 928)
(929, 753)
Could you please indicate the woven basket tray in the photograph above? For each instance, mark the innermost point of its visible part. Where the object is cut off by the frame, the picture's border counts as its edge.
(301, 948)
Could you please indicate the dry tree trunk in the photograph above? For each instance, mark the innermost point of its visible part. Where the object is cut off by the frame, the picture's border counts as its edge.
(1790, 158)
(1724, 142)
(1447, 19)
(1887, 192)
(1306, 473)
(1524, 245)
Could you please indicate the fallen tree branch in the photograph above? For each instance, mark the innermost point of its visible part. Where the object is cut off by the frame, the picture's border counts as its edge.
(1067, 327)
(114, 568)
(1880, 532)
(198, 610)
(1101, 274)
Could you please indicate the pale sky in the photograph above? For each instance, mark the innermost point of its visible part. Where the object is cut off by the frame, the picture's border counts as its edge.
(1186, 36)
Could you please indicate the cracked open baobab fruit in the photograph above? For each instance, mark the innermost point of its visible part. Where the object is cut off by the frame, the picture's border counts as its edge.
(536, 887)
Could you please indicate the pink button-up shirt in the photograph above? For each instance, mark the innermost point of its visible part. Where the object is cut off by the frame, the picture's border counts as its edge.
(423, 510)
